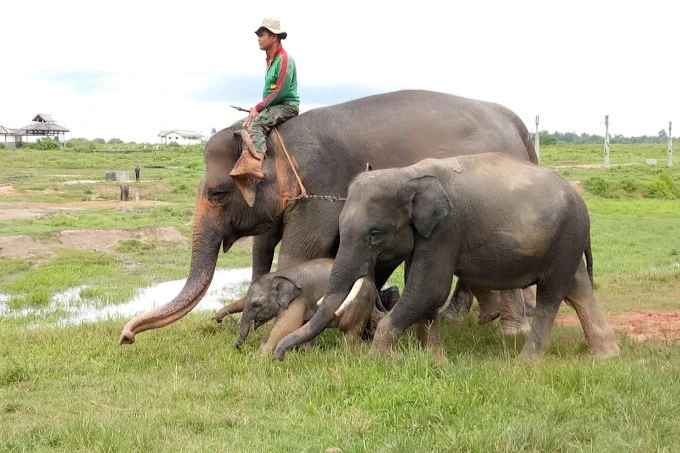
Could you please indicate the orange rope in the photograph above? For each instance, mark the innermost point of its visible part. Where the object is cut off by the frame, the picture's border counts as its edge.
(303, 191)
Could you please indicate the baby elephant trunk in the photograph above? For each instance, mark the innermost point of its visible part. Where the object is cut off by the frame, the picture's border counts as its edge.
(246, 322)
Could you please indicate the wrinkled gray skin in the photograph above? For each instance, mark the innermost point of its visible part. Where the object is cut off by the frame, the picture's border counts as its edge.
(494, 221)
(330, 146)
(291, 295)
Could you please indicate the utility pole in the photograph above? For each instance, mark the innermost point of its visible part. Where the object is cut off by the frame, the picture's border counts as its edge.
(606, 141)
(670, 145)
(537, 143)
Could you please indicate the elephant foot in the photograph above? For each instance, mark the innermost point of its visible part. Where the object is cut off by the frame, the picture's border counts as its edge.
(428, 336)
(385, 338)
(515, 327)
(605, 352)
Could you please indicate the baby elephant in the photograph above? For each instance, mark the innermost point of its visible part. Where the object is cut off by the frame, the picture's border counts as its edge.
(291, 295)
(124, 192)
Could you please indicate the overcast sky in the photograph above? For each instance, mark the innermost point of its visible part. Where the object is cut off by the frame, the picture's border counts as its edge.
(128, 69)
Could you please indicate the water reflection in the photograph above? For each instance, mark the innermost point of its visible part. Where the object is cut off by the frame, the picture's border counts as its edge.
(226, 284)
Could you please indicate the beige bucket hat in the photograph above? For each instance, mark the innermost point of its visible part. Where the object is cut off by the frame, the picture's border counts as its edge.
(274, 26)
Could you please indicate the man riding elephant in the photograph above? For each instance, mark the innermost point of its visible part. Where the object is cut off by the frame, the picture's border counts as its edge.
(280, 102)
(299, 200)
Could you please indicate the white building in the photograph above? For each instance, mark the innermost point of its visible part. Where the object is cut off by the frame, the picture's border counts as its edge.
(180, 136)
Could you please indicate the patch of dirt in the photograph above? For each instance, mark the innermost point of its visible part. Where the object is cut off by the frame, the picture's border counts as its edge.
(647, 325)
(36, 209)
(100, 240)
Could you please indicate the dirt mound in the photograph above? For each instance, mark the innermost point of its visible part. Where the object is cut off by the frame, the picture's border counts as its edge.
(654, 325)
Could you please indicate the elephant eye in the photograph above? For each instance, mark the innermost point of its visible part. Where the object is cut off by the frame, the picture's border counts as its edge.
(217, 194)
(375, 235)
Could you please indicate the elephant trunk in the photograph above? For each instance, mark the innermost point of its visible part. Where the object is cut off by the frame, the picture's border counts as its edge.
(205, 249)
(246, 322)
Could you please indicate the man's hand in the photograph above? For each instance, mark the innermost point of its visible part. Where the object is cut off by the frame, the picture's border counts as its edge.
(251, 116)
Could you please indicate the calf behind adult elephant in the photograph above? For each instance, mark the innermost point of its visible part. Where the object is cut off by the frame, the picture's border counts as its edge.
(328, 146)
(290, 295)
(496, 222)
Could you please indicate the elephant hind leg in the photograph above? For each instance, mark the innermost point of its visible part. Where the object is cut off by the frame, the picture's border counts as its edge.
(513, 314)
(599, 334)
(290, 320)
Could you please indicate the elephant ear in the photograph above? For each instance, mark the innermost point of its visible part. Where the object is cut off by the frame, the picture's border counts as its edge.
(428, 203)
(285, 291)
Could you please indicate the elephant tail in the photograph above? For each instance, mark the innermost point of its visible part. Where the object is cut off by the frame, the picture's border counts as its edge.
(589, 261)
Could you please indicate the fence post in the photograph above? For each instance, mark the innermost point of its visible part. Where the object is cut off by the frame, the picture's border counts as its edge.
(537, 143)
(606, 141)
(670, 145)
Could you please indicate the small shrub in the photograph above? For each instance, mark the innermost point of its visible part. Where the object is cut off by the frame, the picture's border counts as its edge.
(663, 187)
(601, 187)
(47, 143)
(99, 140)
(173, 145)
(2, 146)
(115, 141)
(630, 185)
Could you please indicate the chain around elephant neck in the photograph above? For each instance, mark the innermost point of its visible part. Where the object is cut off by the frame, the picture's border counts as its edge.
(303, 192)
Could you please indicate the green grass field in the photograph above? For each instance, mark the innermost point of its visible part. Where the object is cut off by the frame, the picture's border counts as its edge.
(184, 388)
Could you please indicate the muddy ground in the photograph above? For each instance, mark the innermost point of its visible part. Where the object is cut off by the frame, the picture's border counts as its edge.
(646, 325)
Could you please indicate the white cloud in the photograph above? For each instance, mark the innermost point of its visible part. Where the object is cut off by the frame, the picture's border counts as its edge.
(571, 63)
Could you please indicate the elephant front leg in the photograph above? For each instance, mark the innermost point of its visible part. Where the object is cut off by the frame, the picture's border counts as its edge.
(289, 321)
(264, 246)
(428, 335)
(385, 337)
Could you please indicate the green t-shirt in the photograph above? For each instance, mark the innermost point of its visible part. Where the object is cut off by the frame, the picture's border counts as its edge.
(280, 81)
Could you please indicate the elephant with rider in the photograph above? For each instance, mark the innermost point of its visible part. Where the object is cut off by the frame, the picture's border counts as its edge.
(323, 150)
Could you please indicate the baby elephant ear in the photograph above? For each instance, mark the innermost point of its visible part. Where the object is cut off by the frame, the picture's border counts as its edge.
(285, 290)
(429, 203)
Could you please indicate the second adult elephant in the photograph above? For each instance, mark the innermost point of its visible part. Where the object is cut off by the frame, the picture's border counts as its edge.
(328, 147)
(496, 222)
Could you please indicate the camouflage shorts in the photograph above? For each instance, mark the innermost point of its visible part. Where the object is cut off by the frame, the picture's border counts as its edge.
(266, 120)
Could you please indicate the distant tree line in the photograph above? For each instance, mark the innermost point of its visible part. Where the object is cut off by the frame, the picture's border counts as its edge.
(546, 138)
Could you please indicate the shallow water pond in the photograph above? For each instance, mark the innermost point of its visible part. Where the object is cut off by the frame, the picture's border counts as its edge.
(226, 284)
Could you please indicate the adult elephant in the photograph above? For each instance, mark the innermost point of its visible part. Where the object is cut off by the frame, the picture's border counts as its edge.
(328, 146)
(496, 222)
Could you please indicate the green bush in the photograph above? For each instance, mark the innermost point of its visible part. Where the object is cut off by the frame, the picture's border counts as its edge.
(2, 146)
(663, 187)
(630, 186)
(173, 145)
(115, 141)
(99, 140)
(601, 187)
(47, 143)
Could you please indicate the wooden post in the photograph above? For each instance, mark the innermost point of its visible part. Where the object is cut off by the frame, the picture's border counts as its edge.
(606, 141)
(670, 144)
(537, 143)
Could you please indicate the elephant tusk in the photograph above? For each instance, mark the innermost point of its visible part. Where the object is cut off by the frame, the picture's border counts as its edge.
(319, 302)
(350, 297)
